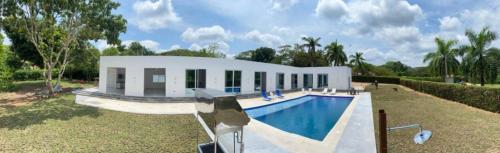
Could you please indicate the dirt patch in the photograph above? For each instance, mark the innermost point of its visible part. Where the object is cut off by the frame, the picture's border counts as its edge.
(24, 96)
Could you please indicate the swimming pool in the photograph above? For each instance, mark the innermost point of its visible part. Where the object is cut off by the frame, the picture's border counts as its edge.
(310, 116)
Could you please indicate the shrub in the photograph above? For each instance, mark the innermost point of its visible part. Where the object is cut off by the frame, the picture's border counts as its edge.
(81, 74)
(432, 79)
(480, 97)
(27, 74)
(380, 79)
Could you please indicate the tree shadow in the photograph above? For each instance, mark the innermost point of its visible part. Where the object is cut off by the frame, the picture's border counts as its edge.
(59, 108)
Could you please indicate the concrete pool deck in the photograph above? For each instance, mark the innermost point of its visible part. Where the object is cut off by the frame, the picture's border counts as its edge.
(354, 131)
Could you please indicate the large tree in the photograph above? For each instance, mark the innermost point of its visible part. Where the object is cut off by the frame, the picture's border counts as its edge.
(477, 51)
(443, 61)
(5, 74)
(311, 43)
(335, 54)
(136, 49)
(397, 67)
(359, 62)
(22, 47)
(285, 55)
(55, 27)
(494, 62)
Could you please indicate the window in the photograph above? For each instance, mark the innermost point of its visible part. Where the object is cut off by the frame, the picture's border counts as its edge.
(308, 80)
(260, 81)
(280, 81)
(294, 81)
(195, 78)
(257, 81)
(233, 81)
(158, 78)
(322, 80)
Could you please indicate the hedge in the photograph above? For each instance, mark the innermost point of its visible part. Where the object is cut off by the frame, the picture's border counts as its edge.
(432, 79)
(380, 79)
(480, 97)
(27, 74)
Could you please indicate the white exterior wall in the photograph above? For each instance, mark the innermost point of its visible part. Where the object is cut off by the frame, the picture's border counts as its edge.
(176, 66)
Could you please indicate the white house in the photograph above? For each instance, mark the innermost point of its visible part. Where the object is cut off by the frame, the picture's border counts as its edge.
(177, 76)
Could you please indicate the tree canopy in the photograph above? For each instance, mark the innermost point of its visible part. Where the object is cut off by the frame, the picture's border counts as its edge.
(55, 28)
(443, 62)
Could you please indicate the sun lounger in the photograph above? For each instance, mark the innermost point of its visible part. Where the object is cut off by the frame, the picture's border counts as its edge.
(264, 96)
(333, 92)
(325, 91)
(278, 94)
(310, 90)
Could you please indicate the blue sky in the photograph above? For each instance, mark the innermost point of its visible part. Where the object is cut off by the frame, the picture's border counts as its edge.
(382, 29)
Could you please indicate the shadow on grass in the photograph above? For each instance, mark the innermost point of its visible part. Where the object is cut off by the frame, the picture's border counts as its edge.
(59, 108)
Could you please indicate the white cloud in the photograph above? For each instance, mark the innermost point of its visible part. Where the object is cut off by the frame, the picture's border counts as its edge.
(266, 39)
(376, 14)
(332, 9)
(101, 44)
(151, 15)
(282, 4)
(282, 30)
(150, 44)
(398, 35)
(195, 46)
(206, 34)
(221, 46)
(174, 47)
(448, 23)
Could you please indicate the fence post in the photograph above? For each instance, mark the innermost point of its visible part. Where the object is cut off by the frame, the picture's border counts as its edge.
(382, 131)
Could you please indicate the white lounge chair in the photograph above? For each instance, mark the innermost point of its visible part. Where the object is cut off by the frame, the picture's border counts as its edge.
(303, 90)
(310, 90)
(325, 91)
(271, 94)
(333, 92)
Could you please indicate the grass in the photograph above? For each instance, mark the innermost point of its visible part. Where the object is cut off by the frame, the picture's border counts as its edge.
(493, 85)
(60, 125)
(456, 127)
(29, 85)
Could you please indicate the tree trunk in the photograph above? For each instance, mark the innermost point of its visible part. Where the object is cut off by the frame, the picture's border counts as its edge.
(481, 68)
(313, 59)
(63, 68)
(445, 68)
(48, 80)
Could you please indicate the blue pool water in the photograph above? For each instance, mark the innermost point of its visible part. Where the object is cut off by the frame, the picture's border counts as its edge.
(309, 116)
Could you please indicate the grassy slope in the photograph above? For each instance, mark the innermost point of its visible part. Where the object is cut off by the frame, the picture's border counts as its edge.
(60, 125)
(456, 127)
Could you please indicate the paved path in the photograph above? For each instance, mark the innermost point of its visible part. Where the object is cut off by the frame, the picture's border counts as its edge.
(136, 107)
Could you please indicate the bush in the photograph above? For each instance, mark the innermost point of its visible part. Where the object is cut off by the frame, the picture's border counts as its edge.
(380, 79)
(27, 74)
(432, 79)
(475, 96)
(81, 74)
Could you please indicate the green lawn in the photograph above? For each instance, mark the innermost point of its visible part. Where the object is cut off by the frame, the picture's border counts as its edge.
(493, 85)
(60, 125)
(456, 127)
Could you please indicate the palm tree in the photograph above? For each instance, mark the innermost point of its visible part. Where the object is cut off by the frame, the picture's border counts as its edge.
(311, 44)
(443, 60)
(335, 53)
(477, 50)
(358, 61)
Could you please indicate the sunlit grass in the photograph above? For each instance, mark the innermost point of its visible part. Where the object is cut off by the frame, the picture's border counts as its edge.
(60, 125)
(456, 127)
